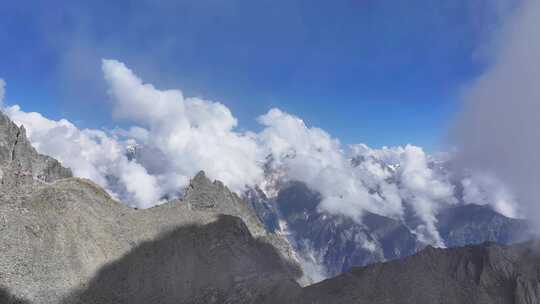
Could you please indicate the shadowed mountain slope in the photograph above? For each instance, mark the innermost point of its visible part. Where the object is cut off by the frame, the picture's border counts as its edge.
(7, 298)
(477, 274)
(219, 262)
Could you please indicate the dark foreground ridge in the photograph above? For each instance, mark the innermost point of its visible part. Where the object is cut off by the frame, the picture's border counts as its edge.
(222, 263)
(216, 263)
(7, 298)
(477, 274)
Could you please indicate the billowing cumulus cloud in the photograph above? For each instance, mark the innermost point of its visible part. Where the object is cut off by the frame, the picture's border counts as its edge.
(407, 178)
(171, 137)
(310, 155)
(91, 154)
(188, 134)
(497, 132)
(357, 179)
(425, 191)
(170, 140)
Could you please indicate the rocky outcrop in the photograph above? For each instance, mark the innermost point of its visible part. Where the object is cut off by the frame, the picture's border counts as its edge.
(69, 235)
(20, 163)
(207, 196)
(488, 273)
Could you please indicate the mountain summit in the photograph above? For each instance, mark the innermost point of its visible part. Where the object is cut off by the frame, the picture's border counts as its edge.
(20, 162)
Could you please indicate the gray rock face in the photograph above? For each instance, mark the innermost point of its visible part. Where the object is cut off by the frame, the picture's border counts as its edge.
(59, 238)
(19, 161)
(207, 196)
(478, 274)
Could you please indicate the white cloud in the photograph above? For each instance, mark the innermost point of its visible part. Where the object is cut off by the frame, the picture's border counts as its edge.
(310, 155)
(381, 181)
(405, 178)
(497, 131)
(190, 134)
(485, 189)
(425, 190)
(91, 154)
(172, 137)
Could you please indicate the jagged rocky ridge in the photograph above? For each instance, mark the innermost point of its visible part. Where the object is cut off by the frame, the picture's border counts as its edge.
(19, 161)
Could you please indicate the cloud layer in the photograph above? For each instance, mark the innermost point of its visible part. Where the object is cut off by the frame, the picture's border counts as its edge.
(171, 137)
(497, 132)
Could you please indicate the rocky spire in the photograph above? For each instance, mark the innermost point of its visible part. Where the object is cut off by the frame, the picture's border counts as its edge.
(20, 163)
(204, 195)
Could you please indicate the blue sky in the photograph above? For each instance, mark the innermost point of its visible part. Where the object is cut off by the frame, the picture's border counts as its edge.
(378, 72)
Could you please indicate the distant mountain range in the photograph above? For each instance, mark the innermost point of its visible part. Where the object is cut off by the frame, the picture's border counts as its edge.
(330, 244)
